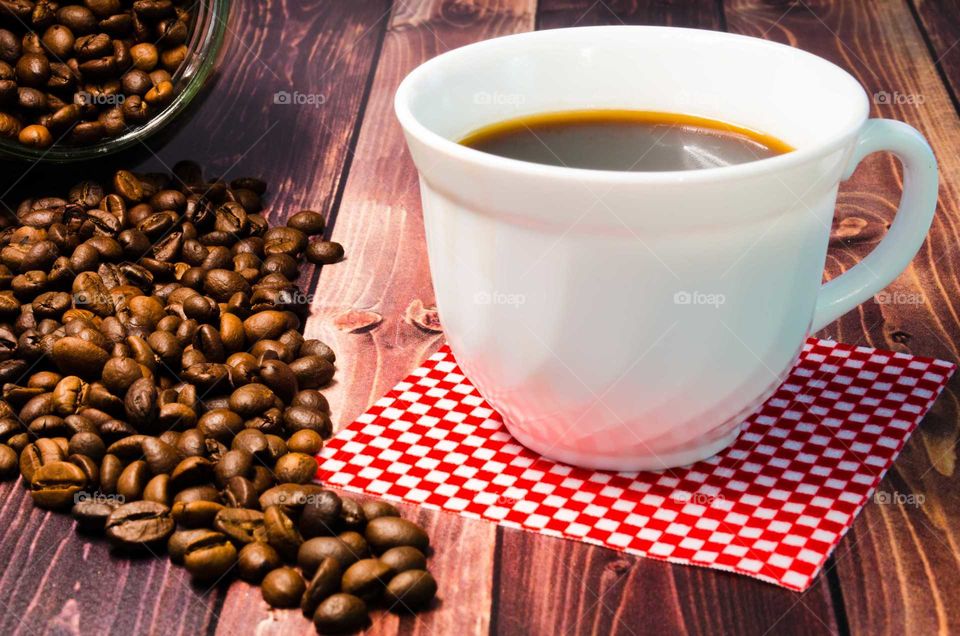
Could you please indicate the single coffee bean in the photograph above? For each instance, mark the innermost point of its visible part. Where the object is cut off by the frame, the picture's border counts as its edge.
(376, 508)
(321, 515)
(305, 441)
(181, 540)
(308, 222)
(324, 583)
(314, 551)
(283, 587)
(367, 578)
(158, 489)
(133, 480)
(341, 614)
(291, 496)
(256, 560)
(384, 533)
(75, 355)
(281, 532)
(195, 514)
(403, 558)
(91, 513)
(209, 559)
(54, 485)
(240, 493)
(324, 252)
(352, 516)
(296, 468)
(9, 462)
(241, 525)
(410, 590)
(140, 523)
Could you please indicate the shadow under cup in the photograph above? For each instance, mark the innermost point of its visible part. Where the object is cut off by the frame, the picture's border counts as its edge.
(619, 320)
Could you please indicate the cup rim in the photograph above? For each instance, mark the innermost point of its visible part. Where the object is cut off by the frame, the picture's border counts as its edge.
(454, 150)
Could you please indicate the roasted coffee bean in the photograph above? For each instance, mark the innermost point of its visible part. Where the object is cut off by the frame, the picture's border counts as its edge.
(91, 513)
(345, 550)
(311, 399)
(324, 252)
(195, 514)
(251, 400)
(410, 590)
(8, 462)
(308, 222)
(384, 533)
(209, 557)
(324, 583)
(296, 468)
(234, 463)
(403, 558)
(133, 480)
(181, 540)
(191, 471)
(376, 508)
(241, 525)
(321, 515)
(290, 496)
(161, 457)
(54, 485)
(340, 614)
(352, 516)
(256, 560)
(283, 587)
(75, 355)
(110, 470)
(140, 523)
(299, 418)
(305, 441)
(240, 492)
(281, 532)
(158, 489)
(367, 578)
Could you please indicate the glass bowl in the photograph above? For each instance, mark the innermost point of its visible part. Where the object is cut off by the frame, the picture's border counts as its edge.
(203, 49)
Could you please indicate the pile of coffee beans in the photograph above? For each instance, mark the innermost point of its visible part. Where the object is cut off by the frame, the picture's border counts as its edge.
(84, 71)
(156, 384)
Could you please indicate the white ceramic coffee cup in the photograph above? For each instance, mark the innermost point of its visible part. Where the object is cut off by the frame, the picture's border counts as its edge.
(630, 320)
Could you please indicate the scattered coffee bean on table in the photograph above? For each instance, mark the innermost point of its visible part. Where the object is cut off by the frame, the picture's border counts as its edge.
(80, 72)
(156, 382)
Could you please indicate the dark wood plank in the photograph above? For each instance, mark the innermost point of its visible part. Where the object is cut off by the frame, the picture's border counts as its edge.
(565, 587)
(52, 578)
(379, 222)
(594, 590)
(898, 565)
(939, 20)
(55, 581)
(700, 14)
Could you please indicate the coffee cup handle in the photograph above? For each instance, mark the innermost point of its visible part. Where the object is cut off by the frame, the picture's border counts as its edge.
(909, 228)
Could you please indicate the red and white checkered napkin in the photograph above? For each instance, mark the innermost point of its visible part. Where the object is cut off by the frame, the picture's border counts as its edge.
(772, 506)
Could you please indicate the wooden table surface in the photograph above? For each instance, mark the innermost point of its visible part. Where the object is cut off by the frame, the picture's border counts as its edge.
(897, 571)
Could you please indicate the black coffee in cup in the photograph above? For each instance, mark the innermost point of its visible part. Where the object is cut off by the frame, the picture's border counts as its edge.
(625, 140)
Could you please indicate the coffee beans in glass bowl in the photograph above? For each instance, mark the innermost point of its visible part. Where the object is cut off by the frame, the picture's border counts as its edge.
(157, 385)
(79, 80)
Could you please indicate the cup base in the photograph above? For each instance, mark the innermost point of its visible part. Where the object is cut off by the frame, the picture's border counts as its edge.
(628, 464)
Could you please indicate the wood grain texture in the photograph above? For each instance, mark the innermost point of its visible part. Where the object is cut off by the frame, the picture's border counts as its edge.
(57, 582)
(898, 565)
(942, 27)
(595, 590)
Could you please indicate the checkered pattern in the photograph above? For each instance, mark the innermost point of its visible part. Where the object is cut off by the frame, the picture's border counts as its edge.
(772, 506)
